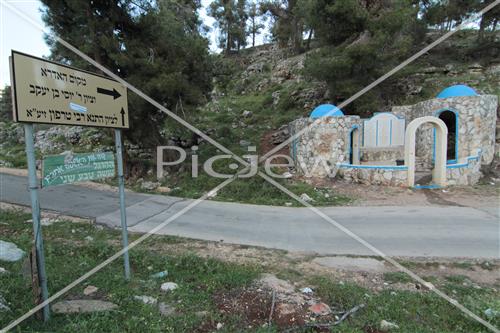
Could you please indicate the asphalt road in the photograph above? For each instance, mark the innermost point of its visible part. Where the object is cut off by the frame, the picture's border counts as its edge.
(437, 231)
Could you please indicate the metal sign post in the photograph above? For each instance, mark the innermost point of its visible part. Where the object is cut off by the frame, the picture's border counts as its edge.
(46, 92)
(35, 213)
(121, 189)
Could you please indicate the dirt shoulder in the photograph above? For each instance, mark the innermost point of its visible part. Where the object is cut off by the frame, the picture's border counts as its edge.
(478, 196)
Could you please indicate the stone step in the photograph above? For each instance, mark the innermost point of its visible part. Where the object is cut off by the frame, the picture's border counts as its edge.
(423, 178)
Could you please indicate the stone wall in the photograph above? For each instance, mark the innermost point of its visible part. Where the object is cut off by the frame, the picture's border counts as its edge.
(324, 144)
(467, 173)
(374, 176)
(385, 154)
(477, 117)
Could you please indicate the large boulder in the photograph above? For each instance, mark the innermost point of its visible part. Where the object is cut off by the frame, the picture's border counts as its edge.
(10, 252)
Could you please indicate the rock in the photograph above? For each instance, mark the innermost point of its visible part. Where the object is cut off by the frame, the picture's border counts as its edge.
(149, 186)
(89, 290)
(288, 204)
(169, 286)
(320, 309)
(306, 198)
(281, 135)
(306, 290)
(83, 306)
(45, 221)
(89, 238)
(276, 97)
(387, 325)
(247, 114)
(219, 326)
(287, 175)
(201, 314)
(10, 252)
(146, 299)
(475, 66)
(73, 134)
(431, 70)
(3, 270)
(163, 189)
(159, 275)
(490, 313)
(245, 143)
(166, 309)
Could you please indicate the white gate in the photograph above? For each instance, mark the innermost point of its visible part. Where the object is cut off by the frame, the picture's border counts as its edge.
(383, 130)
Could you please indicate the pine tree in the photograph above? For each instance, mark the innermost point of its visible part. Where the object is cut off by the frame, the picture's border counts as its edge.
(6, 104)
(361, 42)
(288, 24)
(255, 26)
(223, 11)
(242, 17)
(155, 45)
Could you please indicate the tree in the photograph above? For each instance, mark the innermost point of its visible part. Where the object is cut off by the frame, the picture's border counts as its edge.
(450, 13)
(223, 11)
(360, 47)
(255, 26)
(6, 104)
(288, 26)
(489, 21)
(155, 45)
(231, 21)
(241, 18)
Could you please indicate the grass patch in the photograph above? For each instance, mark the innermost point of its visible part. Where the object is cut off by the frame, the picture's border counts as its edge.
(69, 255)
(413, 312)
(394, 277)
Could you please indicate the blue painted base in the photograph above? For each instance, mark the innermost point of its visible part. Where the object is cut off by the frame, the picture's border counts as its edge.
(429, 187)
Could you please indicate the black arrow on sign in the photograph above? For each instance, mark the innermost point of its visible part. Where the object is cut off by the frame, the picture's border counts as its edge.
(113, 92)
(123, 116)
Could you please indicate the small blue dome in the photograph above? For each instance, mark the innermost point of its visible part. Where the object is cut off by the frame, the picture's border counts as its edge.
(326, 110)
(457, 91)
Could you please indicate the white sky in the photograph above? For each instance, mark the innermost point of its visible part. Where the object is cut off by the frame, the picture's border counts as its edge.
(17, 34)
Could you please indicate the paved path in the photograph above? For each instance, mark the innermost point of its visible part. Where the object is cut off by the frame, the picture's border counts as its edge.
(440, 231)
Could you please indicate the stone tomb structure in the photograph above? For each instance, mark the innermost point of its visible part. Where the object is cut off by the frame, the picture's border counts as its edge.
(437, 142)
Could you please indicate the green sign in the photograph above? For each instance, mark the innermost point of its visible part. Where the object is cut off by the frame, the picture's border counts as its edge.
(70, 168)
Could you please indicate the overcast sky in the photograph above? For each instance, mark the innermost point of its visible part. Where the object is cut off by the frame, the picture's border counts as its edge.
(17, 34)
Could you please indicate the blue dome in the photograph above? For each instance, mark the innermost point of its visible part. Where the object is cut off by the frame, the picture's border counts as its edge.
(326, 110)
(457, 91)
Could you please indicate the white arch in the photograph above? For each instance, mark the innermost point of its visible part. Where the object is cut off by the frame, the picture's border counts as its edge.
(439, 171)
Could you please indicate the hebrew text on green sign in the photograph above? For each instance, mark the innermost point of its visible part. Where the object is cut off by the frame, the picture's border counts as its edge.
(71, 168)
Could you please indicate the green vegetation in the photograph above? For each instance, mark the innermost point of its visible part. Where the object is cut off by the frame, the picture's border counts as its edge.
(417, 312)
(154, 45)
(69, 255)
(394, 277)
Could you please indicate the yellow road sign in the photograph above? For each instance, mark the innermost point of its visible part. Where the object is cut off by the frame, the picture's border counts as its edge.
(52, 93)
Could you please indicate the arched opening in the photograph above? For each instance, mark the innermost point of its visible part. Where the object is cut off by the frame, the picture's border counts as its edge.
(450, 119)
(354, 137)
(424, 156)
(439, 170)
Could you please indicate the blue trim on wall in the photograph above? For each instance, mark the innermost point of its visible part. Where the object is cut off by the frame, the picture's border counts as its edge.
(466, 164)
(430, 186)
(382, 167)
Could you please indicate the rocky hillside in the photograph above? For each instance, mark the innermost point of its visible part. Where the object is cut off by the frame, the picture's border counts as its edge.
(256, 94)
